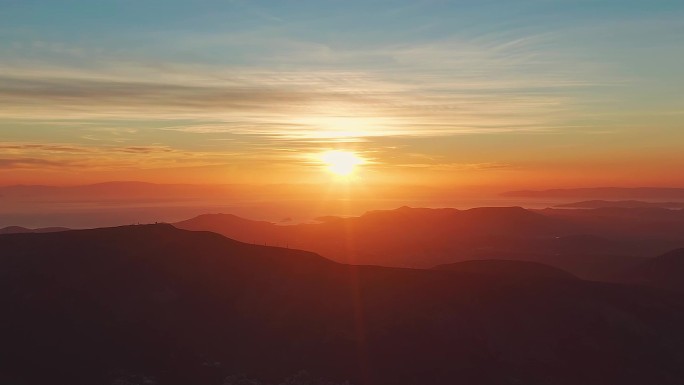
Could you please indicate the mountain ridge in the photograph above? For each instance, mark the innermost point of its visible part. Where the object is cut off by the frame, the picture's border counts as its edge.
(156, 302)
(595, 244)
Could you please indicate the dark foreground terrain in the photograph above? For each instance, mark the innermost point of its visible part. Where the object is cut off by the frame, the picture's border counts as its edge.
(157, 305)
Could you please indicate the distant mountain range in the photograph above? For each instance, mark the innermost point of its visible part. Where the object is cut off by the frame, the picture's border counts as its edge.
(167, 306)
(610, 193)
(631, 204)
(592, 244)
(19, 230)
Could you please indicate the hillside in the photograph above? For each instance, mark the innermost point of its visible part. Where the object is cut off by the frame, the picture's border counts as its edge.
(665, 271)
(169, 306)
(508, 269)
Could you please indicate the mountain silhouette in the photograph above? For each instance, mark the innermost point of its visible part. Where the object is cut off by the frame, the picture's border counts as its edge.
(629, 204)
(593, 244)
(602, 193)
(643, 224)
(408, 237)
(19, 230)
(170, 306)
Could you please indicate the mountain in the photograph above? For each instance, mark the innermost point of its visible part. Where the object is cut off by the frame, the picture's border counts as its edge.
(630, 204)
(589, 266)
(240, 228)
(665, 271)
(602, 193)
(642, 224)
(167, 306)
(19, 230)
(592, 244)
(407, 237)
(508, 269)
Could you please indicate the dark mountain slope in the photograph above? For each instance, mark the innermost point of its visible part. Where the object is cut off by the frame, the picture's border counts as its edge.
(182, 307)
(665, 271)
(586, 265)
(508, 269)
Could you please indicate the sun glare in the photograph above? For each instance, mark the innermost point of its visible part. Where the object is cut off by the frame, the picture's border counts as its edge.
(341, 163)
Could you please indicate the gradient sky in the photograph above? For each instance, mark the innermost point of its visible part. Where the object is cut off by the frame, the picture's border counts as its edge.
(536, 94)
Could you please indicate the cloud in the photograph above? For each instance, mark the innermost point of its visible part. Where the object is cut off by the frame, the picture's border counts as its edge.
(104, 157)
(18, 163)
(451, 166)
(143, 149)
(25, 147)
(300, 92)
(304, 108)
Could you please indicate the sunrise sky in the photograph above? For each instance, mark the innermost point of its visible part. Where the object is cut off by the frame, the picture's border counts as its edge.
(536, 94)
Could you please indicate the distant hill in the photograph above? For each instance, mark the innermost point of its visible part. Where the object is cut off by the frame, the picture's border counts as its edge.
(19, 230)
(510, 269)
(401, 237)
(639, 224)
(602, 193)
(593, 244)
(245, 230)
(166, 306)
(595, 204)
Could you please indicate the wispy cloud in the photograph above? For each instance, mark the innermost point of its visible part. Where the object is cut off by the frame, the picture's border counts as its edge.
(458, 166)
(295, 105)
(38, 156)
(21, 163)
(302, 89)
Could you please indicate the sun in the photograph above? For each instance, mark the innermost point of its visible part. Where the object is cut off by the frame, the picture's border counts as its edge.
(341, 163)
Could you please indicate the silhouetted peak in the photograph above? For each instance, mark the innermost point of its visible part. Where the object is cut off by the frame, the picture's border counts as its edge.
(410, 212)
(147, 227)
(223, 219)
(14, 230)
